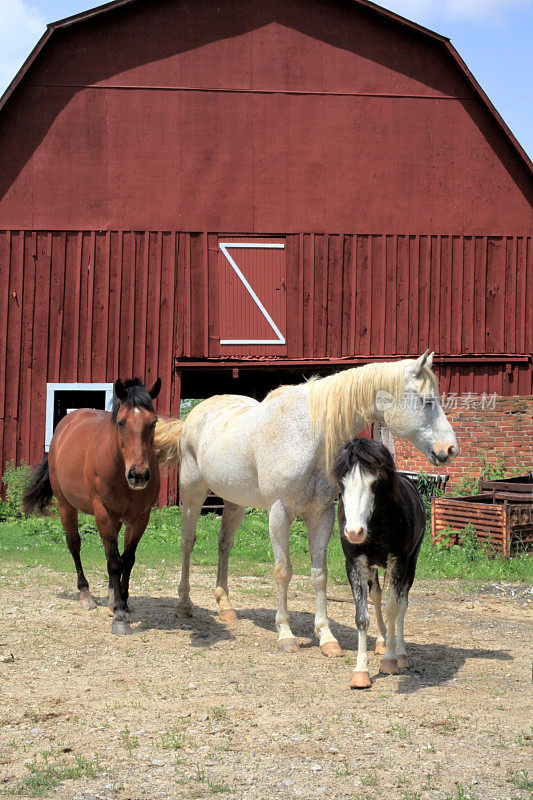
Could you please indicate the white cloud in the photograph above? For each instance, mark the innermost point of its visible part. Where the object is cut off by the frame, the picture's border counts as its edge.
(476, 11)
(20, 28)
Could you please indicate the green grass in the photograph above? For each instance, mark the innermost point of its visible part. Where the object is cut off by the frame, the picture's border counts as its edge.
(36, 541)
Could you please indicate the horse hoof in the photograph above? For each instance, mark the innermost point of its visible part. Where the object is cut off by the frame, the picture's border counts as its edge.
(288, 645)
(360, 680)
(380, 648)
(332, 649)
(183, 612)
(227, 615)
(87, 601)
(388, 666)
(121, 628)
(403, 662)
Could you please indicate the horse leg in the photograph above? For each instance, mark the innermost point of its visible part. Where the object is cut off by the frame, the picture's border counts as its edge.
(132, 536)
(108, 527)
(192, 506)
(319, 530)
(279, 523)
(358, 576)
(232, 517)
(375, 596)
(389, 662)
(69, 520)
(403, 601)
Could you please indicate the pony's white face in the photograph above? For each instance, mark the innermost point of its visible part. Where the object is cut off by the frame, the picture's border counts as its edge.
(419, 418)
(358, 499)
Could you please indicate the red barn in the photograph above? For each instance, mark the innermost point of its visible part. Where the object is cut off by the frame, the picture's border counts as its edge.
(234, 194)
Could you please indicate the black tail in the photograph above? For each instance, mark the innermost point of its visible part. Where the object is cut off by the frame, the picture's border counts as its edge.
(39, 493)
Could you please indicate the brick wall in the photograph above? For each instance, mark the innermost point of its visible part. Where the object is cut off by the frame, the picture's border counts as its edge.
(501, 429)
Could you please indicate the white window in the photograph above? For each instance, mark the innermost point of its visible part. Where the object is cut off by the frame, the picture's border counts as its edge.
(62, 398)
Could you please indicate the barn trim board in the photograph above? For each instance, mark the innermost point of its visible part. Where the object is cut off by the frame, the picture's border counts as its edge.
(280, 339)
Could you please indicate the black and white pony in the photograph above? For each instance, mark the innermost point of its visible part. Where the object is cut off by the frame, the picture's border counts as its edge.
(382, 522)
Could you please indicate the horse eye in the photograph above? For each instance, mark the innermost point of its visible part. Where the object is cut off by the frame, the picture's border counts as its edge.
(122, 423)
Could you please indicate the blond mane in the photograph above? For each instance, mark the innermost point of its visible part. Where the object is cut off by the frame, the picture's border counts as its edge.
(336, 401)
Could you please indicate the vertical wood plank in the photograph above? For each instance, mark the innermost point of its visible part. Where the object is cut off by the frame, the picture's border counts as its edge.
(28, 306)
(214, 319)
(13, 345)
(413, 307)
(402, 295)
(334, 297)
(39, 363)
(57, 302)
(510, 298)
(309, 294)
(424, 294)
(347, 299)
(89, 330)
(294, 297)
(5, 269)
(320, 285)
(468, 310)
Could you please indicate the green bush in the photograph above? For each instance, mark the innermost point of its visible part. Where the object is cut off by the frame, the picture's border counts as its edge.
(489, 471)
(15, 479)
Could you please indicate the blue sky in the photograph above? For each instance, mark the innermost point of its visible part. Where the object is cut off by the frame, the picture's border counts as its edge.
(494, 37)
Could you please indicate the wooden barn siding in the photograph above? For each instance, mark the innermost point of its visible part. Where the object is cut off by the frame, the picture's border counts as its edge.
(88, 306)
(457, 295)
(83, 307)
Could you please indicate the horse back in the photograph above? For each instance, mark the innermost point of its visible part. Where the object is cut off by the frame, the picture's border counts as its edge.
(414, 511)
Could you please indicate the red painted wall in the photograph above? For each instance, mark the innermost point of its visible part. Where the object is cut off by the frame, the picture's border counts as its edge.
(267, 117)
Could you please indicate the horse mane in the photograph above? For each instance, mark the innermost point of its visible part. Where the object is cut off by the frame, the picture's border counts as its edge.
(137, 396)
(372, 457)
(336, 400)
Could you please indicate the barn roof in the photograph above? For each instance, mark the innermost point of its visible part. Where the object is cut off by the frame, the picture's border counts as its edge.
(367, 4)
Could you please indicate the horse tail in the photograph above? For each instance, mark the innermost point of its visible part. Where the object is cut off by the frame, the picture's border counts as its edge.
(38, 495)
(167, 441)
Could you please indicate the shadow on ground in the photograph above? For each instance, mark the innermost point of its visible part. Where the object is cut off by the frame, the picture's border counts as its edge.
(431, 664)
(157, 613)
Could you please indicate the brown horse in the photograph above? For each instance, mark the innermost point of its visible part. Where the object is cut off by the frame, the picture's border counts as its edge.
(103, 463)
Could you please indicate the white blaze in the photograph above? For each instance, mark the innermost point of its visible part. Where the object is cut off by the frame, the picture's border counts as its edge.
(358, 499)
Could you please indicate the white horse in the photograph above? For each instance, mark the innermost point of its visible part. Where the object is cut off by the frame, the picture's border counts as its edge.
(276, 455)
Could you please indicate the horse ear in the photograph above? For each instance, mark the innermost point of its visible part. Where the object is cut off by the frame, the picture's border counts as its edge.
(429, 360)
(420, 363)
(156, 388)
(120, 390)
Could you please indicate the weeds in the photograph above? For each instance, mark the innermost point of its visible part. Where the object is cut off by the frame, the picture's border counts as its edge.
(174, 741)
(462, 793)
(520, 779)
(370, 779)
(129, 742)
(47, 775)
(15, 479)
(218, 712)
(403, 732)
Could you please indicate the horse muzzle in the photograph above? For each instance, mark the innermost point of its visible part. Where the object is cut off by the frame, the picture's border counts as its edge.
(137, 480)
(443, 452)
(356, 535)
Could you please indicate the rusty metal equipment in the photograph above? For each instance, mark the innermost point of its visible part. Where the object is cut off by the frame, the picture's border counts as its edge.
(501, 514)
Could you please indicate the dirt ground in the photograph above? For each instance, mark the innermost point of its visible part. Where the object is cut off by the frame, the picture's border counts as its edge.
(202, 709)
